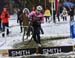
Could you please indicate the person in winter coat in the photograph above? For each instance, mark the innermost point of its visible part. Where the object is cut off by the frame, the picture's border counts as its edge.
(25, 21)
(64, 14)
(36, 24)
(5, 20)
(71, 13)
(18, 14)
(47, 14)
(19, 18)
(33, 12)
(30, 29)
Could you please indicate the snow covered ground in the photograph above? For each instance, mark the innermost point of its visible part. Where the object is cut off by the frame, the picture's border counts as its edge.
(50, 30)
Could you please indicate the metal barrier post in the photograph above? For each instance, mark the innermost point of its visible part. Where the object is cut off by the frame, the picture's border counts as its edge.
(5, 31)
(5, 35)
(23, 34)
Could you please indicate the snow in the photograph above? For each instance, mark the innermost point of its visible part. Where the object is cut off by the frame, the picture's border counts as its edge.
(50, 30)
(62, 42)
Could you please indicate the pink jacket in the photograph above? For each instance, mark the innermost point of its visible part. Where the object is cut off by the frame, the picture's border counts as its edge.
(36, 14)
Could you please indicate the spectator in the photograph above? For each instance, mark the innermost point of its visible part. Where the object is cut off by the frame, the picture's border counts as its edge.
(19, 19)
(25, 21)
(47, 14)
(71, 13)
(64, 14)
(54, 15)
(5, 22)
